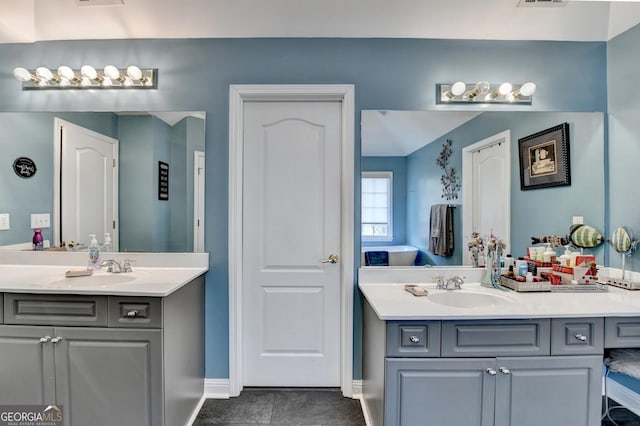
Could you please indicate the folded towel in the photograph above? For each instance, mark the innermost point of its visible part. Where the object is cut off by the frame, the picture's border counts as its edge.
(441, 230)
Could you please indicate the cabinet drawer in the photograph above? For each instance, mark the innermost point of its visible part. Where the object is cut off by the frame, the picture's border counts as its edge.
(621, 332)
(42, 309)
(496, 338)
(136, 312)
(413, 338)
(577, 336)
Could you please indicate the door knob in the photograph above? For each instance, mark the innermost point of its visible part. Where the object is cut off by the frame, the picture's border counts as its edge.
(333, 258)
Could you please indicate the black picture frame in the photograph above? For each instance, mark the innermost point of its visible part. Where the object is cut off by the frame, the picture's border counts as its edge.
(544, 158)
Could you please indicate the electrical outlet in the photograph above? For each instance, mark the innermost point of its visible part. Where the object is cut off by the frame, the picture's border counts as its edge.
(578, 220)
(41, 220)
(4, 222)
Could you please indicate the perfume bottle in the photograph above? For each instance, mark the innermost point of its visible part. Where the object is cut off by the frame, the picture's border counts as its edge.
(37, 239)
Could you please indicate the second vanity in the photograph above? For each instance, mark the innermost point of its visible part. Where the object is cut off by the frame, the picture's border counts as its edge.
(124, 348)
(481, 356)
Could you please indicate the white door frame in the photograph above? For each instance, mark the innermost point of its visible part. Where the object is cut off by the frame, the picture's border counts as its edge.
(467, 185)
(198, 201)
(58, 123)
(238, 94)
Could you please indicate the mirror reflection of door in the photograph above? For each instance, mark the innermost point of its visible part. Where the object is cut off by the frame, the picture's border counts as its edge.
(87, 191)
(486, 171)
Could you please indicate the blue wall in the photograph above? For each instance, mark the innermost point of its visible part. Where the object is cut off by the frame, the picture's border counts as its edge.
(397, 165)
(533, 213)
(386, 73)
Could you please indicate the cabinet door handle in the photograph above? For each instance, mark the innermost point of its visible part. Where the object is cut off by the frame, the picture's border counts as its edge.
(56, 339)
(132, 313)
(581, 337)
(45, 339)
(414, 339)
(491, 371)
(504, 370)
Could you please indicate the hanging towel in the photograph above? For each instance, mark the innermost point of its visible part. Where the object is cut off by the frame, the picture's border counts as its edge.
(441, 230)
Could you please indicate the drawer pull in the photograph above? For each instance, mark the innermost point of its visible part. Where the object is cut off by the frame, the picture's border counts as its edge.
(132, 313)
(504, 370)
(45, 339)
(56, 339)
(414, 339)
(491, 371)
(581, 337)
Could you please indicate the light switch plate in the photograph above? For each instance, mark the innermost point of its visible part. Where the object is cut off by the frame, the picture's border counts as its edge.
(4, 222)
(41, 220)
(578, 220)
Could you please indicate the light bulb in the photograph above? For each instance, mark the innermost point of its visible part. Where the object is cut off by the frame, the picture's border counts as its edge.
(64, 82)
(528, 88)
(106, 82)
(89, 72)
(505, 88)
(509, 97)
(85, 82)
(128, 82)
(66, 72)
(44, 73)
(112, 72)
(482, 87)
(458, 88)
(134, 73)
(22, 74)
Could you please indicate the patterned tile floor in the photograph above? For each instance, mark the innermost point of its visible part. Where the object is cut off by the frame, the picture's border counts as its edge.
(260, 406)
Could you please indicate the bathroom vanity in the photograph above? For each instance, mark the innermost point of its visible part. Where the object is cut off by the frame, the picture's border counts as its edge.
(111, 348)
(511, 358)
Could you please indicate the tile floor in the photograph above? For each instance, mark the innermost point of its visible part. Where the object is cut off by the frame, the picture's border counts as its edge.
(261, 406)
(326, 407)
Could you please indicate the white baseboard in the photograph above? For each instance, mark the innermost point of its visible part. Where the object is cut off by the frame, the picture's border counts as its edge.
(196, 410)
(623, 396)
(216, 388)
(356, 389)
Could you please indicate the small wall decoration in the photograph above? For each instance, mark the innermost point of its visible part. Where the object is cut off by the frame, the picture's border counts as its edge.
(24, 167)
(163, 181)
(450, 180)
(544, 158)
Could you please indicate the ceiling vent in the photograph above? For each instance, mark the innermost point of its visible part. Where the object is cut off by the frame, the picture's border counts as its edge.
(100, 2)
(542, 3)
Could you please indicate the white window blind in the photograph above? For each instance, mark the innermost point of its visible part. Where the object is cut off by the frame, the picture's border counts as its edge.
(377, 224)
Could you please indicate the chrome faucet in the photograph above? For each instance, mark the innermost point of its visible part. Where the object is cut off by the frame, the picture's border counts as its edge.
(453, 283)
(113, 266)
(126, 266)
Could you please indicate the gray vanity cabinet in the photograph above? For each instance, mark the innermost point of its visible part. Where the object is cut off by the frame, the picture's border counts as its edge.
(26, 365)
(482, 372)
(117, 372)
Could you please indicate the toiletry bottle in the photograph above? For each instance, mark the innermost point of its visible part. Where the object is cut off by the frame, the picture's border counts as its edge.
(107, 242)
(565, 259)
(549, 254)
(94, 253)
(37, 239)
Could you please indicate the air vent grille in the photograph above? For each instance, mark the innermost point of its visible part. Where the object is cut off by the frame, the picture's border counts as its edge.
(542, 3)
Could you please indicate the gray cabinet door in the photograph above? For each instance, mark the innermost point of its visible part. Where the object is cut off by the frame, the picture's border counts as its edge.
(26, 370)
(109, 377)
(439, 392)
(543, 391)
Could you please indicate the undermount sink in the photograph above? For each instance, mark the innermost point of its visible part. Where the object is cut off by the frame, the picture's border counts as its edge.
(100, 280)
(466, 299)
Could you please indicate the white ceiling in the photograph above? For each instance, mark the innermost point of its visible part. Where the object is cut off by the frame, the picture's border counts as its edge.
(35, 20)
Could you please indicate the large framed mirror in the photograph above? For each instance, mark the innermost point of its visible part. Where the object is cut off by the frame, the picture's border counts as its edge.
(143, 170)
(408, 143)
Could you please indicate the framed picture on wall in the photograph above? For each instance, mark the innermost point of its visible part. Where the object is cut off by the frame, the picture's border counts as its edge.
(544, 158)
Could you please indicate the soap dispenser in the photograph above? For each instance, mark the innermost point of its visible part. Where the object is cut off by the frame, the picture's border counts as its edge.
(107, 242)
(565, 259)
(94, 253)
(549, 254)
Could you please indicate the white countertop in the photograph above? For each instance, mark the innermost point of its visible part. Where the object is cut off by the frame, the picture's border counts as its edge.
(45, 273)
(391, 302)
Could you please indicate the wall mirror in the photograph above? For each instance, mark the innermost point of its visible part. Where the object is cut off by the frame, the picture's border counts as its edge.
(407, 143)
(153, 210)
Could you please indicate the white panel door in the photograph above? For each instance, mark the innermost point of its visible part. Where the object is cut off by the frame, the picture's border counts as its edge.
(88, 185)
(491, 192)
(291, 223)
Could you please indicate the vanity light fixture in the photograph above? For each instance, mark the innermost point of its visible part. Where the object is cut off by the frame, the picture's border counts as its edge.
(484, 92)
(87, 77)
